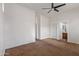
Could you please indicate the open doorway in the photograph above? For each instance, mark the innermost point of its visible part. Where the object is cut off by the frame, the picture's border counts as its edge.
(62, 31)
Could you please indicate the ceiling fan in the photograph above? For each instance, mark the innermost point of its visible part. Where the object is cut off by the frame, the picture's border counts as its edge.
(54, 7)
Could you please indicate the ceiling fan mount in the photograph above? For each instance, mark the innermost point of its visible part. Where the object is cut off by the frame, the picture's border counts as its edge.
(54, 7)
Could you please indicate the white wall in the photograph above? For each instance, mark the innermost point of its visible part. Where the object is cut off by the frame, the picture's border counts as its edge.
(19, 25)
(44, 27)
(73, 17)
(53, 29)
(1, 31)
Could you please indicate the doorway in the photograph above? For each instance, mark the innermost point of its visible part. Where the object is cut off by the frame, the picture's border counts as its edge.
(62, 31)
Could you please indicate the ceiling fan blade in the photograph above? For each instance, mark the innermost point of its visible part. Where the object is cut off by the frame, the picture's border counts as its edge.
(49, 11)
(46, 8)
(52, 5)
(56, 10)
(60, 5)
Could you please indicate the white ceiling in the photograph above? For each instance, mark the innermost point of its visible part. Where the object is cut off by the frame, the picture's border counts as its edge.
(38, 7)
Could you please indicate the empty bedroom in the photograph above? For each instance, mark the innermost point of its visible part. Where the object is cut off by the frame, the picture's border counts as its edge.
(39, 29)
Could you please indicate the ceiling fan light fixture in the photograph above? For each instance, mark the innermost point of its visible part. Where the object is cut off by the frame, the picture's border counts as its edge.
(54, 7)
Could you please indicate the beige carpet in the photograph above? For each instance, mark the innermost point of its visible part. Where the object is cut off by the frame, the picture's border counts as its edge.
(64, 45)
(46, 47)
